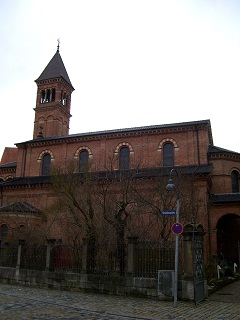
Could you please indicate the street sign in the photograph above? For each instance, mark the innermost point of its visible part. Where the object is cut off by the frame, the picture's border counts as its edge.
(177, 228)
(169, 212)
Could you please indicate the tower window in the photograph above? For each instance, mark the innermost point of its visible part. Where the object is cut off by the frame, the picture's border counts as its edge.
(46, 161)
(83, 160)
(43, 93)
(168, 155)
(48, 95)
(235, 181)
(124, 158)
(63, 98)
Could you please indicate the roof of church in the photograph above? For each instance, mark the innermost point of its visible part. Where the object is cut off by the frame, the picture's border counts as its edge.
(178, 126)
(9, 165)
(55, 69)
(217, 150)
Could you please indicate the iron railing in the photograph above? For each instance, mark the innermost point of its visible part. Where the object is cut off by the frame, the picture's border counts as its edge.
(97, 258)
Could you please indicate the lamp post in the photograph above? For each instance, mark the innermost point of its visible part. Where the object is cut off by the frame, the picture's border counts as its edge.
(171, 187)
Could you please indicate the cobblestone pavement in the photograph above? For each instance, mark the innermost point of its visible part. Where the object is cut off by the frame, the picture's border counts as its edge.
(18, 302)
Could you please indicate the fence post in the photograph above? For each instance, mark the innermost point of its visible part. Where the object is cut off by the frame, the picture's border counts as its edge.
(84, 255)
(131, 255)
(20, 244)
(193, 283)
(50, 243)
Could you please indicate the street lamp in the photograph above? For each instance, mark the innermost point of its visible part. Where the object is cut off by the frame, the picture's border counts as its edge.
(171, 187)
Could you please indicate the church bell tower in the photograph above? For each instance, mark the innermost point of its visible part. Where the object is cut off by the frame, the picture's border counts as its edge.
(54, 89)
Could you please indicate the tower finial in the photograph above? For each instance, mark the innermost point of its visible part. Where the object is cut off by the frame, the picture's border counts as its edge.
(58, 40)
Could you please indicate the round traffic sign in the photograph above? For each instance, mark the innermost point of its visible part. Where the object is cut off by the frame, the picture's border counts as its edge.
(177, 228)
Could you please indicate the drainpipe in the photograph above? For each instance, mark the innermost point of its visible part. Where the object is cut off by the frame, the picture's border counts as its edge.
(198, 151)
(24, 160)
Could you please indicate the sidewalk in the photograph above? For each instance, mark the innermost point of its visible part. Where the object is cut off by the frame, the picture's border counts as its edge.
(27, 303)
(229, 293)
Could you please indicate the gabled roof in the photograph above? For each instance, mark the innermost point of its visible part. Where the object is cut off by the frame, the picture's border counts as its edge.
(19, 207)
(55, 69)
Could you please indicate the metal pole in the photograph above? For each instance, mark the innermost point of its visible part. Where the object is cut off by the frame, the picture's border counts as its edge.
(175, 293)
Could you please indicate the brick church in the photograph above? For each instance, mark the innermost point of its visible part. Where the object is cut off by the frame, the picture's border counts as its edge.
(187, 147)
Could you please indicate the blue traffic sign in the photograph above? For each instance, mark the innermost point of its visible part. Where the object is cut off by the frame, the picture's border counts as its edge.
(169, 212)
(177, 228)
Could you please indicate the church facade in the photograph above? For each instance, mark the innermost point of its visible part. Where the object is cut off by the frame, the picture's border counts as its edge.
(187, 147)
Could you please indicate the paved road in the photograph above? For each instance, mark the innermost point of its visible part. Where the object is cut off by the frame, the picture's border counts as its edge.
(18, 302)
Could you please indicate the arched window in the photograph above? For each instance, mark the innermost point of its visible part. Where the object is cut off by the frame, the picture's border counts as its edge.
(235, 181)
(83, 160)
(168, 155)
(46, 161)
(124, 158)
(3, 231)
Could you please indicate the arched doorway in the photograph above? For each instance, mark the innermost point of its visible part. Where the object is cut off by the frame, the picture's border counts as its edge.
(228, 235)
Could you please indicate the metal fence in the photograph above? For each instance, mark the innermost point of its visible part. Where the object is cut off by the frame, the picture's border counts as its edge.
(8, 255)
(33, 257)
(97, 258)
(106, 258)
(153, 256)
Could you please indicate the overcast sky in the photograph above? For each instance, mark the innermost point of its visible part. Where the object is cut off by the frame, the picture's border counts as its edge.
(131, 62)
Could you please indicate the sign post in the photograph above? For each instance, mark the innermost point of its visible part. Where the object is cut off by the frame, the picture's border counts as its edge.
(177, 229)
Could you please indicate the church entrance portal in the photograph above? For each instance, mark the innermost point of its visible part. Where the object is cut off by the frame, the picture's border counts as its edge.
(228, 235)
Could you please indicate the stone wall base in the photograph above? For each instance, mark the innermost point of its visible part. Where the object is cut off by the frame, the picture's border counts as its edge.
(146, 287)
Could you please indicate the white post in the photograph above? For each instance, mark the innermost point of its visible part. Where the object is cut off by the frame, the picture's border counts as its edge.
(218, 271)
(235, 267)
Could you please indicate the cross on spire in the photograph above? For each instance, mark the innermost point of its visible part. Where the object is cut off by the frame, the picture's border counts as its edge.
(58, 40)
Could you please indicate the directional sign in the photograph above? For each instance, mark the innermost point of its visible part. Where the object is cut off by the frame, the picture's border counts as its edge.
(177, 228)
(169, 212)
